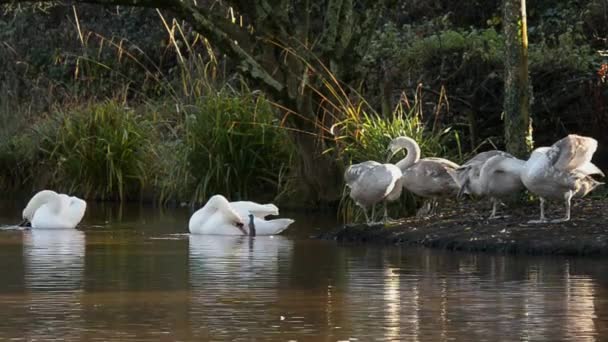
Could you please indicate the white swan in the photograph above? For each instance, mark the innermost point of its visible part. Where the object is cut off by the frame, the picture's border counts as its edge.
(370, 183)
(561, 171)
(220, 217)
(48, 209)
(428, 177)
(494, 174)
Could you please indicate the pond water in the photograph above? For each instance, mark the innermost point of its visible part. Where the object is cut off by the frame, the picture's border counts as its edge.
(132, 274)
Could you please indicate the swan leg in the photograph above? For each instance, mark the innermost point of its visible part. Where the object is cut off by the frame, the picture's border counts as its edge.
(542, 219)
(373, 213)
(367, 220)
(568, 199)
(424, 210)
(385, 213)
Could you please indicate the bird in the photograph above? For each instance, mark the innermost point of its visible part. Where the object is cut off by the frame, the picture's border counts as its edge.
(370, 183)
(50, 210)
(494, 174)
(561, 171)
(220, 217)
(427, 177)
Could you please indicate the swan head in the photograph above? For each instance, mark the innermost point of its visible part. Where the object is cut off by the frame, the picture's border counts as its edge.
(36, 202)
(401, 143)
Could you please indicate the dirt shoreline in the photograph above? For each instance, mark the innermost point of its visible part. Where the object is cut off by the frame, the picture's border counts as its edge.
(465, 227)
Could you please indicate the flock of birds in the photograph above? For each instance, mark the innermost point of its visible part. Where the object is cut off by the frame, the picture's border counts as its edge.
(50, 210)
(562, 171)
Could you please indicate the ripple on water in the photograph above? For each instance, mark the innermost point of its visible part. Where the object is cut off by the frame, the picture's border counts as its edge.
(137, 284)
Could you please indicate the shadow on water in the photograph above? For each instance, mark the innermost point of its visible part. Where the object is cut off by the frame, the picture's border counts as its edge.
(133, 274)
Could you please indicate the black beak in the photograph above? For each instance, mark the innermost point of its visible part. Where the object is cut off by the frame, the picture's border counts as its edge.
(25, 223)
(462, 190)
(240, 226)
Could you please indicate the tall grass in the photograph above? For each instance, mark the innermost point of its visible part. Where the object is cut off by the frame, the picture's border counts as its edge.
(365, 135)
(235, 148)
(101, 151)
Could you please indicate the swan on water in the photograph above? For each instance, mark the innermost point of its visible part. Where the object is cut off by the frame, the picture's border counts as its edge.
(50, 210)
(494, 174)
(220, 217)
(427, 177)
(561, 171)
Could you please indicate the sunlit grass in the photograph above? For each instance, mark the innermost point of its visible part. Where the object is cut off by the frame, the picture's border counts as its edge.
(100, 151)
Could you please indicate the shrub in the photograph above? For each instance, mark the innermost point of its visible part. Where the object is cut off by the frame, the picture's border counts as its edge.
(101, 150)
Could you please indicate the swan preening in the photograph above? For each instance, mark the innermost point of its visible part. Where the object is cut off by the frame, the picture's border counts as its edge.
(493, 174)
(50, 210)
(220, 217)
(561, 171)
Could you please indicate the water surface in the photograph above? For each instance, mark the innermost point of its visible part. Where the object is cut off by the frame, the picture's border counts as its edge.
(133, 274)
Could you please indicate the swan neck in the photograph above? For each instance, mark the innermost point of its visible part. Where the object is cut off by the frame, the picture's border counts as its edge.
(413, 154)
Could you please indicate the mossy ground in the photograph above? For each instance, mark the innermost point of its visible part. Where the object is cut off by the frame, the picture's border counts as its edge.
(464, 226)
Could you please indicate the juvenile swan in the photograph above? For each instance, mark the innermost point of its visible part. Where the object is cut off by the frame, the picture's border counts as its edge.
(48, 209)
(428, 177)
(494, 174)
(220, 217)
(370, 183)
(561, 171)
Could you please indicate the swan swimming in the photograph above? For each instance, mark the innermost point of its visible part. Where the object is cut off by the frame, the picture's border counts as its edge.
(50, 210)
(561, 171)
(427, 177)
(494, 174)
(220, 217)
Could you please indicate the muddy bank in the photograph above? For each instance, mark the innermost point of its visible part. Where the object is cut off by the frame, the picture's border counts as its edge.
(465, 227)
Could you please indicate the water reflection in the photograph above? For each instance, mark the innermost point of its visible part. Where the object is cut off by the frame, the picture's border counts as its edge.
(144, 280)
(234, 281)
(54, 266)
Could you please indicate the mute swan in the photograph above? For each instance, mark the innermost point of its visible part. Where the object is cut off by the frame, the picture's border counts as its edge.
(428, 177)
(370, 183)
(562, 171)
(220, 217)
(494, 174)
(48, 209)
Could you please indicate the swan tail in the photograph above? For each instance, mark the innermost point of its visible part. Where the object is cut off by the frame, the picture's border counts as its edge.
(272, 227)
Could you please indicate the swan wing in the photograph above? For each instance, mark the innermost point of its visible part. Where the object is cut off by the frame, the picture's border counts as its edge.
(432, 165)
(431, 176)
(271, 227)
(590, 169)
(482, 157)
(572, 152)
(375, 184)
(356, 170)
(501, 163)
(244, 208)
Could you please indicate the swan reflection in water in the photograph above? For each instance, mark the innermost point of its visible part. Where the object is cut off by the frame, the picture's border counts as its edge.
(54, 267)
(234, 280)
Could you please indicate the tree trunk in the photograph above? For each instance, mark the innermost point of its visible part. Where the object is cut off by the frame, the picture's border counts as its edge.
(516, 106)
